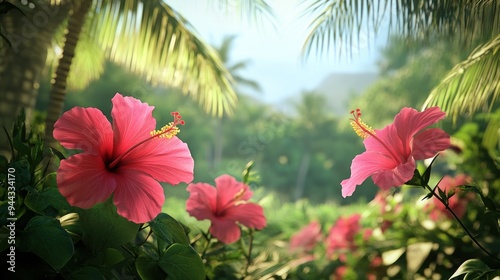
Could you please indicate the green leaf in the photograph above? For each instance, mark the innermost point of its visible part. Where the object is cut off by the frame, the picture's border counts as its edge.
(470, 188)
(416, 180)
(472, 84)
(168, 229)
(442, 195)
(492, 274)
(427, 173)
(86, 272)
(149, 268)
(45, 237)
(47, 202)
(246, 172)
(104, 228)
(427, 196)
(57, 153)
(23, 174)
(50, 181)
(153, 40)
(3, 163)
(488, 203)
(182, 262)
(225, 271)
(112, 257)
(472, 265)
(491, 136)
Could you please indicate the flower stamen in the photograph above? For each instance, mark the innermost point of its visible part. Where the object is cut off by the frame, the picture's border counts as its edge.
(364, 131)
(168, 131)
(238, 195)
(171, 129)
(361, 128)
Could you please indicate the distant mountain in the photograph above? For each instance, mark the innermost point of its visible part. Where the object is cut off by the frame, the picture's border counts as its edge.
(338, 88)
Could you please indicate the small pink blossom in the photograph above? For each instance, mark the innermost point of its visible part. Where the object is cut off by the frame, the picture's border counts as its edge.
(225, 205)
(125, 159)
(392, 151)
(457, 203)
(341, 235)
(339, 273)
(307, 238)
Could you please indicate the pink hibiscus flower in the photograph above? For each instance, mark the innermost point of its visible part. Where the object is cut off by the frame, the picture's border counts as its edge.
(392, 151)
(341, 235)
(126, 159)
(457, 203)
(225, 205)
(307, 238)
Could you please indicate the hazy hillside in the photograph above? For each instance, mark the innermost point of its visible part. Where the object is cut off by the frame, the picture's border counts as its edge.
(339, 87)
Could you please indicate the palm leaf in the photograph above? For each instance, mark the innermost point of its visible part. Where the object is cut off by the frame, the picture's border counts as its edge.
(256, 10)
(471, 85)
(149, 38)
(88, 62)
(340, 22)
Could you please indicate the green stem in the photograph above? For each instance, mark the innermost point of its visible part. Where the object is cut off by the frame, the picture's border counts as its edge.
(147, 236)
(250, 247)
(208, 237)
(461, 224)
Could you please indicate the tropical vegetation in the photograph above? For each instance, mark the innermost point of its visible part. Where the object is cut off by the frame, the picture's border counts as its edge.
(260, 192)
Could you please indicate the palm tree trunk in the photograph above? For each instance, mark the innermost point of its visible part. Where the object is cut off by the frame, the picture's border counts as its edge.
(58, 90)
(302, 175)
(22, 63)
(218, 142)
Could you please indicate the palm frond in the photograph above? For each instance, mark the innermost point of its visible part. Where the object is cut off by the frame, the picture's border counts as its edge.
(149, 38)
(255, 10)
(471, 85)
(225, 47)
(88, 62)
(340, 22)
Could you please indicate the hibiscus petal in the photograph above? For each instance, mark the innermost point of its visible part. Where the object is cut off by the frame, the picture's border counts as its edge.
(388, 178)
(85, 129)
(409, 121)
(132, 122)
(138, 197)
(250, 215)
(229, 190)
(166, 160)
(225, 231)
(84, 181)
(429, 142)
(362, 167)
(387, 142)
(202, 201)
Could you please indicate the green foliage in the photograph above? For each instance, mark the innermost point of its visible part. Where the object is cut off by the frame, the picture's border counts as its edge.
(168, 229)
(472, 85)
(475, 269)
(44, 237)
(340, 24)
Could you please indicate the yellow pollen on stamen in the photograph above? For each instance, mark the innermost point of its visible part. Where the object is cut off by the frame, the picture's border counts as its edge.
(361, 128)
(170, 130)
(238, 195)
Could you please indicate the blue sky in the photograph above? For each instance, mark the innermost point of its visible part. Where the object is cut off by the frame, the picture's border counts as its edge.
(274, 52)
